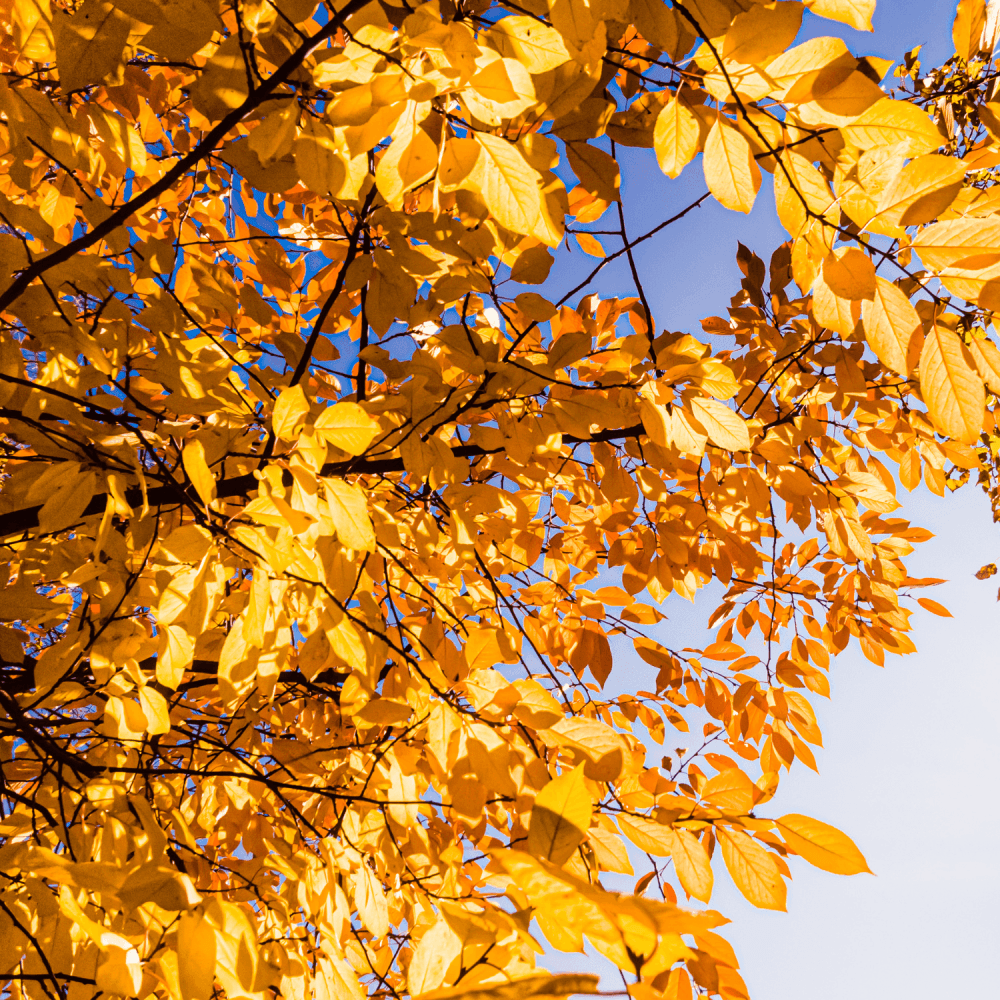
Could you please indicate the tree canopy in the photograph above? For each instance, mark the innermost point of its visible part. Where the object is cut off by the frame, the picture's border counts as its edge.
(324, 520)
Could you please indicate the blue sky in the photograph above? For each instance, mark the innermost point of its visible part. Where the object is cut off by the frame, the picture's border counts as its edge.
(910, 767)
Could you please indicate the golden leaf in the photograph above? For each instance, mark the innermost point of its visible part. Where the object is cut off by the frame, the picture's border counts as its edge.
(675, 137)
(349, 513)
(90, 45)
(752, 868)
(560, 817)
(731, 172)
(922, 190)
(856, 13)
(822, 845)
(511, 188)
(967, 28)
(724, 428)
(892, 327)
(198, 471)
(346, 426)
(693, 866)
(951, 386)
(889, 122)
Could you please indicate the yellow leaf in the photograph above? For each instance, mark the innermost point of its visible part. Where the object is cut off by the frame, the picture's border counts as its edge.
(850, 274)
(922, 190)
(560, 817)
(811, 69)
(482, 649)
(967, 29)
(675, 137)
(599, 744)
(408, 162)
(156, 710)
(966, 243)
(691, 860)
(951, 386)
(319, 161)
(159, 883)
(762, 32)
(822, 845)
(987, 359)
(193, 458)
(889, 122)
(731, 172)
(597, 171)
(869, 489)
(505, 87)
(798, 187)
(892, 327)
(222, 84)
(181, 27)
(290, 411)
(856, 13)
(730, 790)
(511, 189)
(336, 980)
(724, 428)
(537, 46)
(346, 426)
(692, 864)
(90, 45)
(275, 135)
(933, 607)
(349, 513)
(434, 958)
(648, 835)
(369, 898)
(31, 30)
(611, 853)
(753, 869)
(196, 956)
(65, 503)
(657, 23)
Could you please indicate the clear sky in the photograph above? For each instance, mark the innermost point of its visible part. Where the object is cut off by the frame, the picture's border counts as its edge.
(911, 767)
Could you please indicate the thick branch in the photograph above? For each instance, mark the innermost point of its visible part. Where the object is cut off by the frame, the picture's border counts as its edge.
(17, 521)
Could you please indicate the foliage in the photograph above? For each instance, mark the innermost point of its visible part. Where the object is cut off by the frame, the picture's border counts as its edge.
(322, 530)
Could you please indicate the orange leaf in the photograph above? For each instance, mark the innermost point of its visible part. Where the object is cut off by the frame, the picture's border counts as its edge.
(752, 868)
(822, 845)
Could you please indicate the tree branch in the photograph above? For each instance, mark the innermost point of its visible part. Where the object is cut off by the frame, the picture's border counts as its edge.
(17, 521)
(119, 217)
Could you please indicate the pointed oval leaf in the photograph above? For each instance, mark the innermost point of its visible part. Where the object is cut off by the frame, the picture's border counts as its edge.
(822, 845)
(346, 426)
(675, 137)
(752, 868)
(731, 172)
(951, 386)
(560, 817)
(891, 326)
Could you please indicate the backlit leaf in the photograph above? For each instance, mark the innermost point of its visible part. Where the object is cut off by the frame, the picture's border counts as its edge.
(731, 172)
(951, 386)
(560, 817)
(822, 845)
(675, 137)
(346, 426)
(724, 427)
(753, 869)
(892, 326)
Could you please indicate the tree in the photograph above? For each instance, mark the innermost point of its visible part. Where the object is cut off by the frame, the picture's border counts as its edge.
(322, 529)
